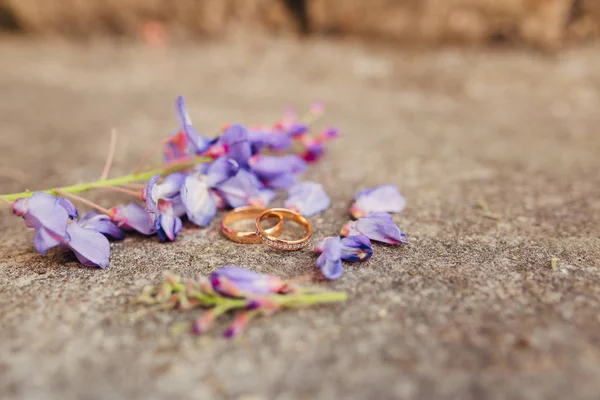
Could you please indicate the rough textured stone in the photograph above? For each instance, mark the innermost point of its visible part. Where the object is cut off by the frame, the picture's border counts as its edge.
(472, 310)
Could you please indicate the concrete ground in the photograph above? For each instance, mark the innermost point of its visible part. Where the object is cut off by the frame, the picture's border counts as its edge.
(472, 310)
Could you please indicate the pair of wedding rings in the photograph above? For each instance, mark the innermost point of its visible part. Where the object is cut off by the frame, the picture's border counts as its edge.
(268, 236)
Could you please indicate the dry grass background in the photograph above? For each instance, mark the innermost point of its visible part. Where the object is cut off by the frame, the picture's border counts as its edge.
(545, 24)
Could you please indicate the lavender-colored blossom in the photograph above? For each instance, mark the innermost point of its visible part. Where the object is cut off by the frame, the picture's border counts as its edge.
(101, 223)
(277, 172)
(354, 248)
(133, 217)
(236, 281)
(193, 142)
(384, 198)
(307, 198)
(245, 189)
(48, 216)
(236, 144)
(91, 248)
(165, 206)
(200, 205)
(379, 227)
(313, 150)
(330, 260)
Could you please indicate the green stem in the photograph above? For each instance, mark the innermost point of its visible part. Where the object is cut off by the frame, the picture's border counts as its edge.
(144, 176)
(308, 299)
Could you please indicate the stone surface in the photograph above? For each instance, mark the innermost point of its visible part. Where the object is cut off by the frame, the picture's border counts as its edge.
(471, 310)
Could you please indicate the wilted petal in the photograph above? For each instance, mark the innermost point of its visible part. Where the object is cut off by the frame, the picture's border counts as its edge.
(384, 198)
(330, 260)
(307, 198)
(356, 248)
(91, 248)
(199, 205)
(220, 170)
(101, 223)
(381, 228)
(235, 281)
(133, 216)
(235, 141)
(168, 226)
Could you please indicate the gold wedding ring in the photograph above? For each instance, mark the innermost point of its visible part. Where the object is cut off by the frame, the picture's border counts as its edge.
(281, 244)
(251, 213)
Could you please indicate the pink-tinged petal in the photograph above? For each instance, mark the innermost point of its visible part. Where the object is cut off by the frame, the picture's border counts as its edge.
(239, 324)
(199, 144)
(91, 248)
(169, 226)
(328, 134)
(220, 170)
(356, 248)
(199, 205)
(265, 196)
(386, 198)
(330, 260)
(101, 223)
(19, 206)
(235, 140)
(381, 228)
(236, 281)
(133, 216)
(43, 240)
(203, 323)
(308, 198)
(320, 245)
(349, 229)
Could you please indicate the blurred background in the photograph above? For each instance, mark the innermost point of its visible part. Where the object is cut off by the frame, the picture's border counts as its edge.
(545, 24)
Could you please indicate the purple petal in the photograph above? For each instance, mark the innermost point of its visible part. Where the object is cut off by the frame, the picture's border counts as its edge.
(91, 248)
(330, 260)
(381, 228)
(200, 144)
(313, 151)
(43, 240)
(220, 170)
(19, 206)
(70, 207)
(235, 139)
(133, 216)
(268, 167)
(384, 198)
(169, 226)
(240, 190)
(170, 186)
(199, 204)
(278, 141)
(244, 281)
(308, 198)
(356, 248)
(101, 223)
(265, 196)
(46, 210)
(350, 229)
(151, 201)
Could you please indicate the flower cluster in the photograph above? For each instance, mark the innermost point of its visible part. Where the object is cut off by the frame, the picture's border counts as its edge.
(241, 166)
(232, 288)
(374, 223)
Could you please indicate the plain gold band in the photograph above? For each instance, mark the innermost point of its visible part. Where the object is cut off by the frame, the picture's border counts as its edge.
(281, 244)
(247, 212)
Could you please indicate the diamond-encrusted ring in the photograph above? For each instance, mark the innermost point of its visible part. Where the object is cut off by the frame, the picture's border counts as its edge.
(248, 213)
(281, 244)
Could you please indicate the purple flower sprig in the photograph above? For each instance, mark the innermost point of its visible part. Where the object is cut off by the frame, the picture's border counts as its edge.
(232, 289)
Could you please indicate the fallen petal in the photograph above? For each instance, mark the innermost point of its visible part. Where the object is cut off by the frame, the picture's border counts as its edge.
(330, 260)
(386, 198)
(91, 248)
(307, 198)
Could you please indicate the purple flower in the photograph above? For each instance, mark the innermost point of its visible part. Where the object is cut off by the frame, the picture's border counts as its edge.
(200, 205)
(313, 150)
(236, 281)
(354, 248)
(330, 260)
(164, 205)
(236, 144)
(384, 198)
(186, 142)
(307, 198)
(377, 226)
(91, 248)
(277, 172)
(101, 223)
(244, 189)
(48, 216)
(133, 217)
